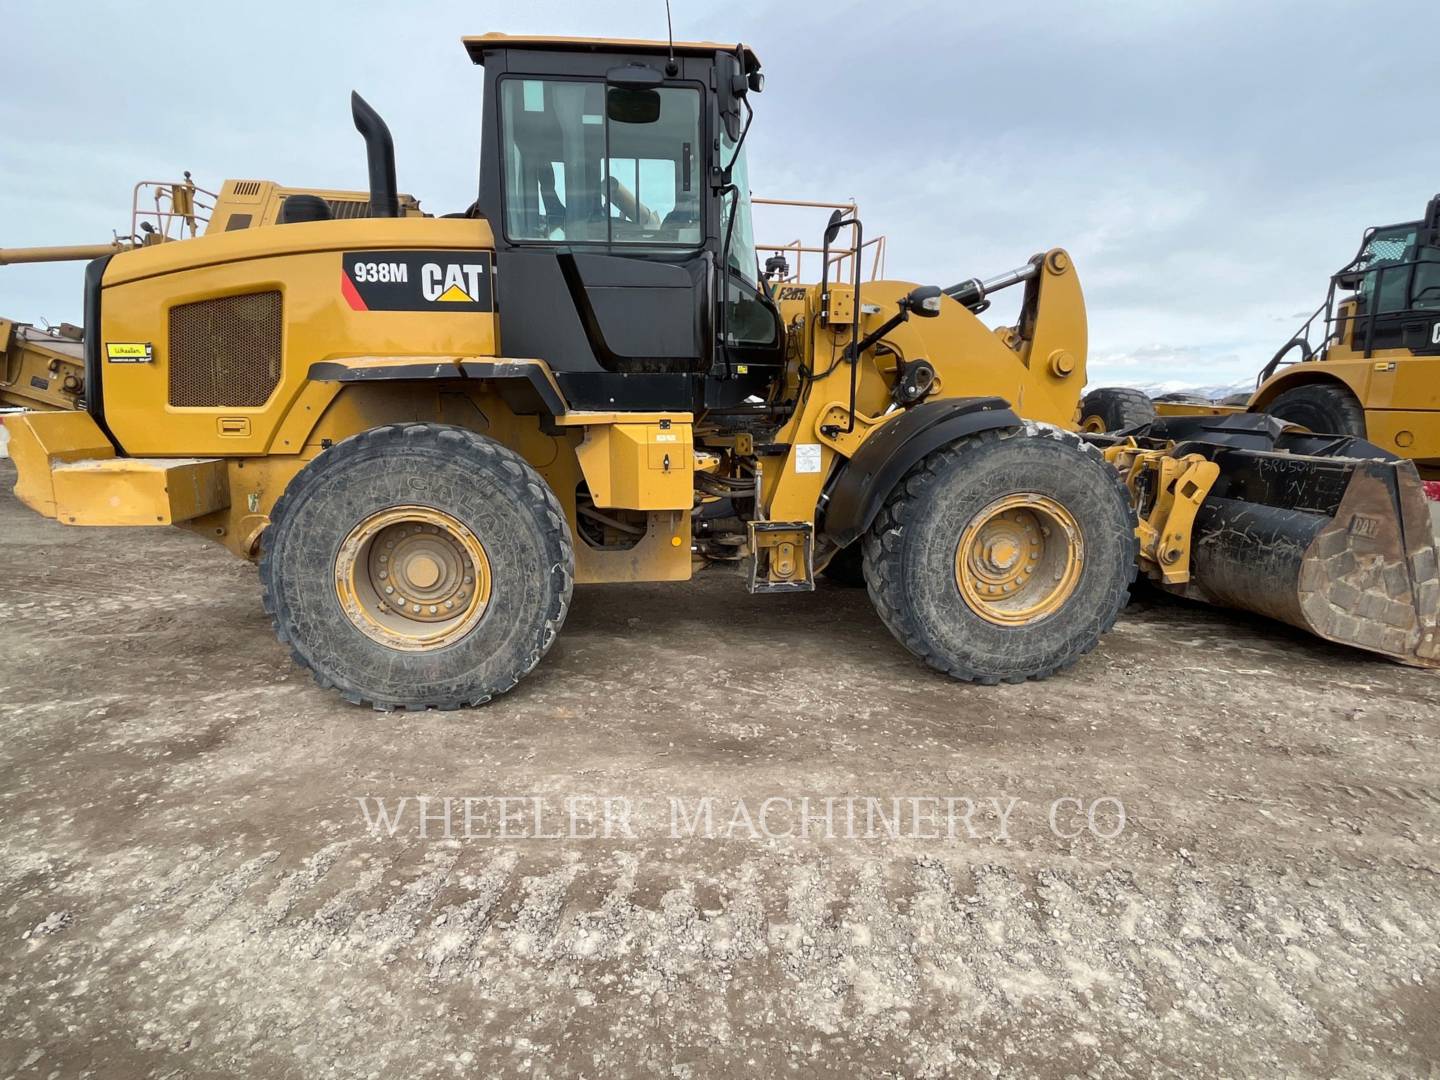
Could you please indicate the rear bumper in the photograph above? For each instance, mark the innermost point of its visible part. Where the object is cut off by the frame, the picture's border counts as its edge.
(68, 470)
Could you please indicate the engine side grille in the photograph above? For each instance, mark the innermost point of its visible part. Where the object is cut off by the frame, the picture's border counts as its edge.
(225, 353)
(347, 209)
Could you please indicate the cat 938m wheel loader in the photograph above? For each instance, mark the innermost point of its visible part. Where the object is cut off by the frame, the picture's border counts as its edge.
(428, 430)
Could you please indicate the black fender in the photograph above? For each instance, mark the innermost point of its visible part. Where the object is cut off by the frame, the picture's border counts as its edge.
(866, 480)
(526, 385)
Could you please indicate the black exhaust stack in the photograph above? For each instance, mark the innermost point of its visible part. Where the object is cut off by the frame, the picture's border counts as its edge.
(380, 153)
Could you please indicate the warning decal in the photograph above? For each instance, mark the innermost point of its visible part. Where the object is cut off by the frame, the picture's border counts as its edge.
(418, 280)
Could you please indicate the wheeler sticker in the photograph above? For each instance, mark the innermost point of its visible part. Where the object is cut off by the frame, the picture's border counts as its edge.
(418, 280)
(129, 352)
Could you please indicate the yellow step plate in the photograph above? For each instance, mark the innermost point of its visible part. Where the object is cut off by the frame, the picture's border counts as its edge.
(138, 491)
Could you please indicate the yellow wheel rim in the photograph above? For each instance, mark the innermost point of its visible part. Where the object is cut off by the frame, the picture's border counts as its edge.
(413, 578)
(1019, 559)
(1093, 424)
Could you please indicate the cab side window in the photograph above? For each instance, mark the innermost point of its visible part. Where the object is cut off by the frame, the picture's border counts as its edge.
(587, 163)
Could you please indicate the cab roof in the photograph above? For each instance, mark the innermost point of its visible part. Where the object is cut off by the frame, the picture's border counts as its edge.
(476, 45)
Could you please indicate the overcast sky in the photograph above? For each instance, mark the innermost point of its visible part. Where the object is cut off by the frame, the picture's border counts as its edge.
(1208, 164)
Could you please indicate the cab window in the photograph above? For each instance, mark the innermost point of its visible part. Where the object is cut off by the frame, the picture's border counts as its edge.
(1390, 279)
(587, 163)
(750, 320)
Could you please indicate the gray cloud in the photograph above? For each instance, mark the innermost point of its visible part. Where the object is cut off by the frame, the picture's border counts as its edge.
(1208, 165)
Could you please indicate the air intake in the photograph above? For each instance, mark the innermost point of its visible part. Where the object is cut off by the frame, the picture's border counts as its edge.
(346, 209)
(225, 353)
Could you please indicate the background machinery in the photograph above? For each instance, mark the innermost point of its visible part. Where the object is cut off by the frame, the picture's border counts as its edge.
(428, 430)
(1366, 363)
(43, 368)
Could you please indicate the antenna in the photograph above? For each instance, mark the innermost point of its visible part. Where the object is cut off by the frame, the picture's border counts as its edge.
(671, 67)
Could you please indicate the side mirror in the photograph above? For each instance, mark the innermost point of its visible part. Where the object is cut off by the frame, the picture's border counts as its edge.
(923, 301)
(730, 88)
(832, 230)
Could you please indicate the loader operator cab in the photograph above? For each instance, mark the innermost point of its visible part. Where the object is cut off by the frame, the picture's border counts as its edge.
(613, 175)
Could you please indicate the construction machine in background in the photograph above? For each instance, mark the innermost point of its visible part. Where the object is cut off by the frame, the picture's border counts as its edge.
(428, 430)
(42, 368)
(1365, 364)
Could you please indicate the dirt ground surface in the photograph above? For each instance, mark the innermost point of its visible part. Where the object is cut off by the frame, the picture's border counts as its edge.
(188, 886)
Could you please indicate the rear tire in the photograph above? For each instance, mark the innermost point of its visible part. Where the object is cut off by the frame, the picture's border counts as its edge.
(1063, 518)
(1324, 408)
(452, 518)
(1112, 408)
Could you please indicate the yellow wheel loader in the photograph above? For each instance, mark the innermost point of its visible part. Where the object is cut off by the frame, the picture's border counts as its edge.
(1366, 363)
(429, 430)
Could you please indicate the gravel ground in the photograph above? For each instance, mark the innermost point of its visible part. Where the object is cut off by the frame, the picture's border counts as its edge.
(188, 886)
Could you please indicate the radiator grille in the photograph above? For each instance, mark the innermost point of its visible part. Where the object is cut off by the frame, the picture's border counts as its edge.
(347, 209)
(225, 353)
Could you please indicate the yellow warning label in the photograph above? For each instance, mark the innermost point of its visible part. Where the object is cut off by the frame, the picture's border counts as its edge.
(128, 352)
(454, 294)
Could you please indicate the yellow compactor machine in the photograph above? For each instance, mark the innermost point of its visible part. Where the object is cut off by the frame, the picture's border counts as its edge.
(428, 430)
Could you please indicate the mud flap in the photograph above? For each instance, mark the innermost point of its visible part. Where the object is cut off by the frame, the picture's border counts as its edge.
(1332, 535)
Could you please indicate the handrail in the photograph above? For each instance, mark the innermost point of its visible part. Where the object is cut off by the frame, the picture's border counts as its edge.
(838, 256)
(177, 210)
(1336, 325)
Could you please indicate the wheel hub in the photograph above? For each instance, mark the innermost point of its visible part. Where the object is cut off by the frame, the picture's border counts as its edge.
(1018, 560)
(413, 578)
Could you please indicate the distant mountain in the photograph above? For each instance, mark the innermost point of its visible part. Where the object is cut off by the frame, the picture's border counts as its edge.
(1209, 393)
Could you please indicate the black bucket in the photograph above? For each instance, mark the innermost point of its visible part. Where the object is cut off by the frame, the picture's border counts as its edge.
(1327, 533)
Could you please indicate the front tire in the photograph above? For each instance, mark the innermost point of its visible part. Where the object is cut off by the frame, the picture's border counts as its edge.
(1323, 408)
(1005, 556)
(418, 565)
